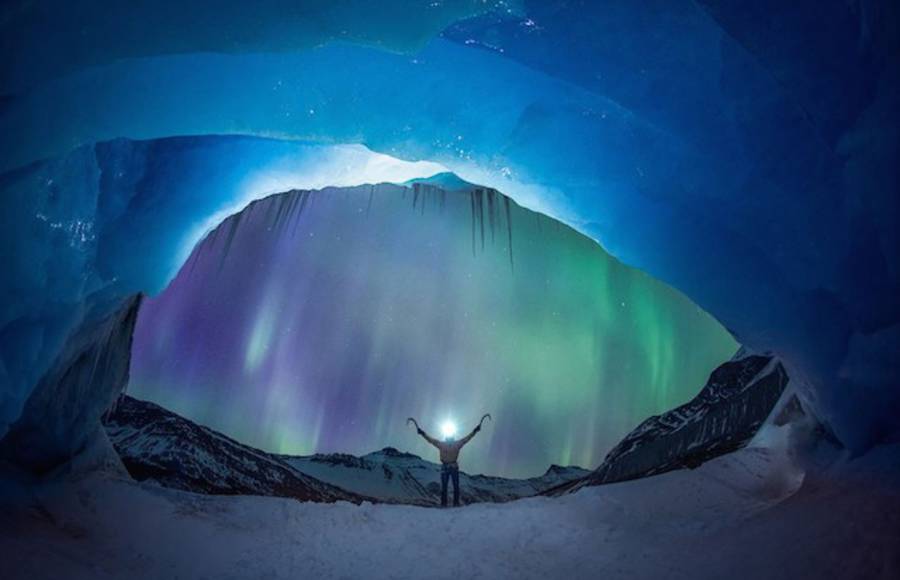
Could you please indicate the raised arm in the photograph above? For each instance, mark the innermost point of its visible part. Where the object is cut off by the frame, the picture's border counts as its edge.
(428, 437)
(422, 432)
(468, 437)
(477, 428)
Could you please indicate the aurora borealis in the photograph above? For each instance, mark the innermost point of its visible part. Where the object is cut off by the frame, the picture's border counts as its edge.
(317, 322)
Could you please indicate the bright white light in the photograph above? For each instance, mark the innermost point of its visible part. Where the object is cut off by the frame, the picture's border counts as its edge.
(448, 429)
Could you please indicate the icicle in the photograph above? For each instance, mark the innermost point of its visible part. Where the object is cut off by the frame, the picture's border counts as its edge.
(281, 202)
(472, 206)
(480, 197)
(304, 195)
(269, 208)
(233, 225)
(291, 214)
(295, 205)
(214, 236)
(194, 258)
(278, 201)
(491, 209)
(509, 232)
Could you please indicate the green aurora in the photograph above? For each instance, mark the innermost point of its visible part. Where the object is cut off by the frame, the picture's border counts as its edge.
(318, 322)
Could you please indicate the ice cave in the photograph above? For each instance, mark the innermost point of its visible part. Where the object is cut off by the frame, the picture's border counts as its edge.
(632, 268)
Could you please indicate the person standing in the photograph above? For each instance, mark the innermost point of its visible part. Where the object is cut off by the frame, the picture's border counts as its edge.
(449, 454)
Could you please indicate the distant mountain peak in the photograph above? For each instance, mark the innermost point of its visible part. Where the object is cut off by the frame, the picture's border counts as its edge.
(561, 469)
(394, 452)
(446, 180)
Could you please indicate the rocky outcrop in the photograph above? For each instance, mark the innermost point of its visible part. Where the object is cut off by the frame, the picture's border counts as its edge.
(730, 408)
(738, 397)
(158, 445)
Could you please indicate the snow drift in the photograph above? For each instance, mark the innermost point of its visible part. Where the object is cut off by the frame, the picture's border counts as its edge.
(738, 516)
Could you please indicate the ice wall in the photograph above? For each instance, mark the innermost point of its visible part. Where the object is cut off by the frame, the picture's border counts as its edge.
(743, 152)
(56, 38)
(62, 415)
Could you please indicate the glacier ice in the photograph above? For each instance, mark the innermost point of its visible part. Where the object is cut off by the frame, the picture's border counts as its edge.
(113, 219)
(751, 166)
(62, 415)
(60, 37)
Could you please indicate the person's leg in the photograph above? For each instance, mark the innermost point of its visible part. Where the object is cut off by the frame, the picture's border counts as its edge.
(444, 476)
(455, 474)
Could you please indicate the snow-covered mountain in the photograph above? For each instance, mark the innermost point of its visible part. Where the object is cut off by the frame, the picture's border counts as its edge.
(161, 446)
(397, 477)
(158, 445)
(737, 398)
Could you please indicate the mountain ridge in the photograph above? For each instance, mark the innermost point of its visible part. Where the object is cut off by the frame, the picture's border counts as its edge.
(163, 447)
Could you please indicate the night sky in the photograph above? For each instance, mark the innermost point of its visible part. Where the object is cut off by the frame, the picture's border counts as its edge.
(319, 322)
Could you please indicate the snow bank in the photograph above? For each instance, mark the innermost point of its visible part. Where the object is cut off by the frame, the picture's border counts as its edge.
(736, 516)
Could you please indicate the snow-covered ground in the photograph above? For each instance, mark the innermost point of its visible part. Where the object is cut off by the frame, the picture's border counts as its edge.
(749, 514)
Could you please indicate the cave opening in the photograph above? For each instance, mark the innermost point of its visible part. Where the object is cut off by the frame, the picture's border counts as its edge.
(743, 153)
(317, 321)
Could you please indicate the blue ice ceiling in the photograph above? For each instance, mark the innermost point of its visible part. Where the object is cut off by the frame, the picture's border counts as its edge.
(744, 152)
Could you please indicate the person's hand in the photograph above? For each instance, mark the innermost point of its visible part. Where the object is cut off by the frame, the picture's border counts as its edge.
(477, 428)
(420, 432)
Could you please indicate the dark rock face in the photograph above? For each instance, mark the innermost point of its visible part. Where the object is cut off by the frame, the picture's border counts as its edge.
(65, 409)
(735, 401)
(161, 446)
